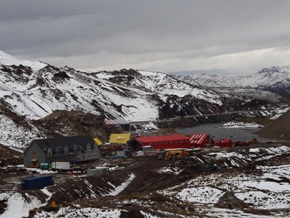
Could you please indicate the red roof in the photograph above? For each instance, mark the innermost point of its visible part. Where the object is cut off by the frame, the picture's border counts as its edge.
(197, 138)
(224, 142)
(162, 138)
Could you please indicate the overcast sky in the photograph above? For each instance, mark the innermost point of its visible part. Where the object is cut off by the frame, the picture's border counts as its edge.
(155, 35)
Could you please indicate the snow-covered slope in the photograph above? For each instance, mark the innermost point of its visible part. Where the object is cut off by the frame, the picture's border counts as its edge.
(263, 83)
(37, 93)
(160, 83)
(265, 77)
(33, 90)
(6, 59)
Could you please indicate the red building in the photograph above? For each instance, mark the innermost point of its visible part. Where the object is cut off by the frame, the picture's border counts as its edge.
(201, 140)
(160, 142)
(224, 143)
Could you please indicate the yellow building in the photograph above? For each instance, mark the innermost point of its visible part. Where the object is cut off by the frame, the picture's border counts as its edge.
(119, 139)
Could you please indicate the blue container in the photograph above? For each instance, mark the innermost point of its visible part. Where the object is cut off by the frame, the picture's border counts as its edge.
(128, 153)
(37, 182)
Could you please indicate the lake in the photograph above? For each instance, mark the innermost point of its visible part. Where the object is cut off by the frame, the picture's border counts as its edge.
(217, 132)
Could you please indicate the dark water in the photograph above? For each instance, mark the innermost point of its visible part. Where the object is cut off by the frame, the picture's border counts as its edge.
(217, 132)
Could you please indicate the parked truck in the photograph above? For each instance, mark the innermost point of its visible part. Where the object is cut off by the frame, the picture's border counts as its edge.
(37, 182)
(60, 165)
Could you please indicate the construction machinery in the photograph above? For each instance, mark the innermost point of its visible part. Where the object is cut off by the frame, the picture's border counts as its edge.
(173, 154)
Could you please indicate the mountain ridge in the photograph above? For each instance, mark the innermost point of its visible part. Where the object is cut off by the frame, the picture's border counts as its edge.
(29, 94)
(275, 80)
(266, 76)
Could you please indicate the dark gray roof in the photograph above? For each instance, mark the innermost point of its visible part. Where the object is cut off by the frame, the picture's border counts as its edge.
(53, 143)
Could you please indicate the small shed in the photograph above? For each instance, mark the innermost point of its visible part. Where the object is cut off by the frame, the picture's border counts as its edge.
(160, 142)
(201, 140)
(224, 143)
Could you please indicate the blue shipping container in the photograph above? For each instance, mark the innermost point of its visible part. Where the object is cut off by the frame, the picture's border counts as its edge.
(37, 182)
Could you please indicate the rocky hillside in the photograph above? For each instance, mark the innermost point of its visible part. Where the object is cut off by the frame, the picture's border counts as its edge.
(271, 82)
(278, 128)
(40, 100)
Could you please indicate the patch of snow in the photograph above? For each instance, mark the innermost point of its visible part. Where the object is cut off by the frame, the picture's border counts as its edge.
(17, 206)
(14, 135)
(87, 212)
(254, 150)
(241, 125)
(120, 188)
(205, 195)
(170, 170)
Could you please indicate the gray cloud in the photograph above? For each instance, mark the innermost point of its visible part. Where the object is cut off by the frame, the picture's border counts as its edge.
(163, 35)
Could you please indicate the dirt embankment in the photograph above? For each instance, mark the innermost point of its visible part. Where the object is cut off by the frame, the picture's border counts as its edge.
(7, 153)
(277, 129)
(74, 123)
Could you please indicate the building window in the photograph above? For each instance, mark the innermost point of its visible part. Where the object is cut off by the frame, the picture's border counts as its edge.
(88, 146)
(65, 150)
(88, 156)
(75, 147)
(49, 152)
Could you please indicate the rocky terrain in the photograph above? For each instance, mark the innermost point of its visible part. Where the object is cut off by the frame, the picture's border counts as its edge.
(246, 181)
(277, 129)
(39, 100)
(274, 80)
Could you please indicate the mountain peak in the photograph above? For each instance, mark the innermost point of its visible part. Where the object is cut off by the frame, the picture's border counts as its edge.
(273, 69)
(6, 59)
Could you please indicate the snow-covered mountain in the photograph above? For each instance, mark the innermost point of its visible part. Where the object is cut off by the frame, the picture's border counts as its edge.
(124, 94)
(274, 79)
(6, 59)
(31, 91)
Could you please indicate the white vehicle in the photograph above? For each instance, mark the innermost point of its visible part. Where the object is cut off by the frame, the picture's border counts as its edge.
(60, 165)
